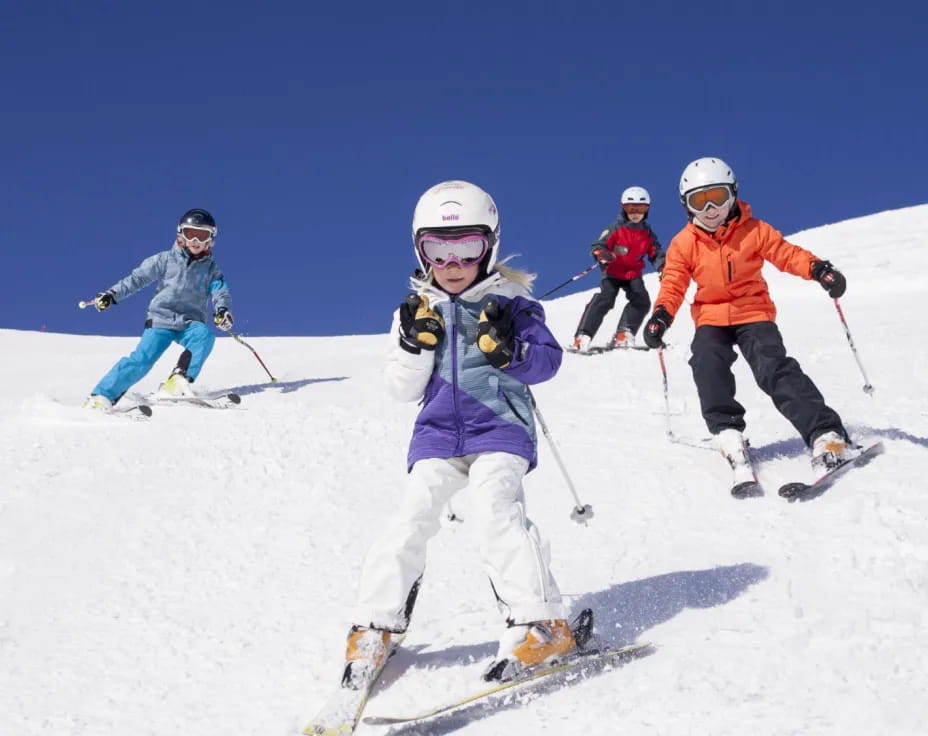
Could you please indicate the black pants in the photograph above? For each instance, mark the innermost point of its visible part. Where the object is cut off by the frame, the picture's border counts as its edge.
(632, 316)
(778, 376)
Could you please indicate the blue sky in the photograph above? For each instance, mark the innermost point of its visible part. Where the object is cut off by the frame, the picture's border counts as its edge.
(310, 129)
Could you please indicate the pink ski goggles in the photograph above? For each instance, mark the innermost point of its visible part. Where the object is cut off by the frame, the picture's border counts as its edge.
(464, 249)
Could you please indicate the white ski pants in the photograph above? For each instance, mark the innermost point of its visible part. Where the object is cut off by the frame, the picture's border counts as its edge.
(512, 552)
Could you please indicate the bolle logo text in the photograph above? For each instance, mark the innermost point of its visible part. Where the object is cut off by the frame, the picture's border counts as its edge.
(446, 218)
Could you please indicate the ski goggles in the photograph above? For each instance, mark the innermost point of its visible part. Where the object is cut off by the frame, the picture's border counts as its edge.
(633, 208)
(699, 200)
(464, 249)
(201, 235)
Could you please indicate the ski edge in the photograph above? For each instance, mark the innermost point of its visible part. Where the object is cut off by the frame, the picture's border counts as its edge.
(213, 401)
(614, 656)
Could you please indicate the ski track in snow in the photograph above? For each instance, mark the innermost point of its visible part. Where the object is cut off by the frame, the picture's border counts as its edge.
(195, 574)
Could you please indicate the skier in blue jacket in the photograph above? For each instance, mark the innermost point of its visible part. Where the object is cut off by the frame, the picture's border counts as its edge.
(188, 278)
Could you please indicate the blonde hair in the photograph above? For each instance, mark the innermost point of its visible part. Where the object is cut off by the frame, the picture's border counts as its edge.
(522, 278)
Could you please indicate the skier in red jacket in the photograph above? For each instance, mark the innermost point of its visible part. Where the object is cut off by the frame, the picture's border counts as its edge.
(620, 252)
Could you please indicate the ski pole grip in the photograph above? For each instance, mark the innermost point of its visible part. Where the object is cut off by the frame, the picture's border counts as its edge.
(492, 309)
(413, 300)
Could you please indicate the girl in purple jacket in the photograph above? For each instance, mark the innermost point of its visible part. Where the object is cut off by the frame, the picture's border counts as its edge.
(466, 344)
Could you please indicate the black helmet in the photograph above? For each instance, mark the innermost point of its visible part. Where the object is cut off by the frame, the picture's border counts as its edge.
(197, 218)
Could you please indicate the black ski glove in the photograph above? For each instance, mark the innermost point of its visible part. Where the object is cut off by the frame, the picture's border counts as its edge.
(420, 327)
(104, 300)
(494, 334)
(656, 327)
(223, 319)
(831, 279)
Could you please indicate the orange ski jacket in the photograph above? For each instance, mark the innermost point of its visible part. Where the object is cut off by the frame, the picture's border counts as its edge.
(726, 266)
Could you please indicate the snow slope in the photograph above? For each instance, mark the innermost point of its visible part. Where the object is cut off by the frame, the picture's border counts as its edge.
(195, 574)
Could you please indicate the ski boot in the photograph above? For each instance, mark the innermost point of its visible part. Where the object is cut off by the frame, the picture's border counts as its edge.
(524, 646)
(734, 449)
(831, 449)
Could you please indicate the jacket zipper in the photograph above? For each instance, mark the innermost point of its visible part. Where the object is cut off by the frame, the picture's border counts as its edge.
(454, 376)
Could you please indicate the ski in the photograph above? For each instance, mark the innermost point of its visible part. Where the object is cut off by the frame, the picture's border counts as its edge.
(135, 412)
(582, 664)
(219, 401)
(600, 349)
(341, 713)
(747, 489)
(807, 491)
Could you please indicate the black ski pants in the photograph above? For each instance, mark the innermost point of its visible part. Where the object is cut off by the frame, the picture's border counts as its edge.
(778, 376)
(632, 316)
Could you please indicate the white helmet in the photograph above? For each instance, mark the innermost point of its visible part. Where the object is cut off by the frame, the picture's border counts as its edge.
(636, 195)
(704, 172)
(456, 204)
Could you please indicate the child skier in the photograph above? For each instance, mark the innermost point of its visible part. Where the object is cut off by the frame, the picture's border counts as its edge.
(723, 248)
(620, 252)
(187, 278)
(467, 344)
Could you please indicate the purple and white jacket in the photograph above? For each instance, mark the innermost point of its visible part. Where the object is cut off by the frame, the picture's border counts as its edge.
(468, 406)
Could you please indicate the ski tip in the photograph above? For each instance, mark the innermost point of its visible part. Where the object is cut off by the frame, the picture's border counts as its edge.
(749, 489)
(793, 491)
(381, 721)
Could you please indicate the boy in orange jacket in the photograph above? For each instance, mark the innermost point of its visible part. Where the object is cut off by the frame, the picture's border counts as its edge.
(723, 248)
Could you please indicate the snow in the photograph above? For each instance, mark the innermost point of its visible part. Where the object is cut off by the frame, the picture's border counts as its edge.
(195, 574)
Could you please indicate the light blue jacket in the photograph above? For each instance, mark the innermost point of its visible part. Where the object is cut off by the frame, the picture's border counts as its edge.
(185, 286)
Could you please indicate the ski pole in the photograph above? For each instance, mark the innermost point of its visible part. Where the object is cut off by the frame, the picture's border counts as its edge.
(238, 339)
(88, 303)
(581, 512)
(660, 357)
(573, 278)
(868, 387)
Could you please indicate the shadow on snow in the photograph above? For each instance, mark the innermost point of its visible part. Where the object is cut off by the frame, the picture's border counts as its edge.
(284, 387)
(622, 613)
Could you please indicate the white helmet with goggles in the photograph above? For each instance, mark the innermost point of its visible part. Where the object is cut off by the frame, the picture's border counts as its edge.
(704, 174)
(449, 211)
(636, 195)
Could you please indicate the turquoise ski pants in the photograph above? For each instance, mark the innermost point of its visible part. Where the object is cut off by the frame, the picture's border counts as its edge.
(196, 338)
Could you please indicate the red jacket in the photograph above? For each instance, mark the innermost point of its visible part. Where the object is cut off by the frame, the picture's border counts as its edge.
(726, 266)
(630, 242)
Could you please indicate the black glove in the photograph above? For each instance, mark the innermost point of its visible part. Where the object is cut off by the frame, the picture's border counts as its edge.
(494, 334)
(831, 279)
(104, 300)
(656, 327)
(420, 327)
(223, 319)
(604, 255)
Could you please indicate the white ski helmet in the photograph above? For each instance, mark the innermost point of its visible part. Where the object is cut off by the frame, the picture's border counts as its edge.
(456, 204)
(636, 195)
(705, 172)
